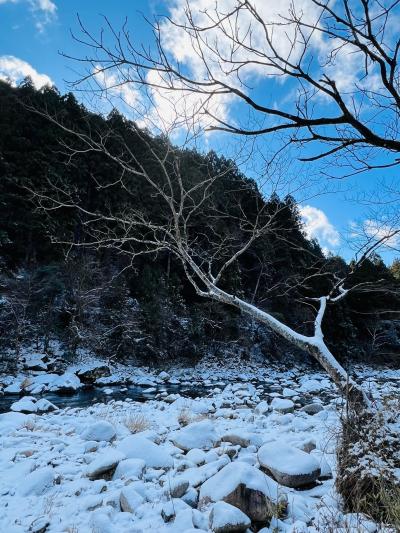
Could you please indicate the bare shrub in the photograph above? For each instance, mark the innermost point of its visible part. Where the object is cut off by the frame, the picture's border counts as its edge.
(136, 423)
(368, 455)
(184, 417)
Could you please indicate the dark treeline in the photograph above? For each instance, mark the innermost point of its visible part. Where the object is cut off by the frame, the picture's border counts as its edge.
(86, 298)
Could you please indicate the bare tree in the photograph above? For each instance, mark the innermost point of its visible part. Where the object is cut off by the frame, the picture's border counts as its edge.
(207, 255)
(337, 60)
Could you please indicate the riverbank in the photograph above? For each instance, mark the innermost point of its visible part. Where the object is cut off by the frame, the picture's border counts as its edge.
(165, 463)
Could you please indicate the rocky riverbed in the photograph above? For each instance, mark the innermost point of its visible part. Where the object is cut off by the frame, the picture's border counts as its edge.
(255, 451)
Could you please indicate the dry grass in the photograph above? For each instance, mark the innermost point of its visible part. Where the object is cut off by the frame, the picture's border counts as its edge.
(184, 417)
(30, 425)
(26, 383)
(136, 423)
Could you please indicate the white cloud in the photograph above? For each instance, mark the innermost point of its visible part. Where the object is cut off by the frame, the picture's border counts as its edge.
(378, 230)
(44, 11)
(317, 226)
(14, 70)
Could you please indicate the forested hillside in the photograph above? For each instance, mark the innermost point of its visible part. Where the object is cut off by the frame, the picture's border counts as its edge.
(97, 298)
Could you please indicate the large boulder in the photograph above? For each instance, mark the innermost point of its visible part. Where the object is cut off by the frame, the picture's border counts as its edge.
(244, 487)
(224, 518)
(197, 435)
(89, 375)
(289, 466)
(66, 383)
(27, 404)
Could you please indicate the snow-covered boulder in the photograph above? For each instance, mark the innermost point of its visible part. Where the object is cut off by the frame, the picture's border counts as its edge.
(99, 431)
(244, 487)
(137, 447)
(130, 500)
(312, 408)
(35, 364)
(67, 382)
(262, 408)
(196, 435)
(289, 466)
(27, 404)
(130, 469)
(289, 393)
(176, 487)
(164, 376)
(242, 438)
(13, 388)
(91, 374)
(224, 518)
(44, 406)
(282, 405)
(104, 464)
(196, 456)
(37, 482)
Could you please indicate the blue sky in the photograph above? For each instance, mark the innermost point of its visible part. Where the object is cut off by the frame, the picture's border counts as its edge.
(36, 31)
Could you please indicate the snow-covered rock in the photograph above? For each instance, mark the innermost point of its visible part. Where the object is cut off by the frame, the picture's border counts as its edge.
(312, 408)
(289, 466)
(100, 431)
(130, 499)
(67, 382)
(196, 456)
(164, 376)
(224, 518)
(27, 404)
(35, 364)
(13, 388)
(242, 438)
(176, 487)
(244, 487)
(137, 447)
(92, 373)
(282, 405)
(262, 407)
(44, 406)
(104, 464)
(37, 482)
(196, 435)
(130, 469)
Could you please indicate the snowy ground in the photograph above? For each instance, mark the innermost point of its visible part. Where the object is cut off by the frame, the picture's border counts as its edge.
(168, 464)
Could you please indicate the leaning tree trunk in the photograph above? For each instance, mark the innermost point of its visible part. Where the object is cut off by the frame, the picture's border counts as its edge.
(314, 345)
(369, 449)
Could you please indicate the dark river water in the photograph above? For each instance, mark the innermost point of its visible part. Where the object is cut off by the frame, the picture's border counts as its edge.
(90, 395)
